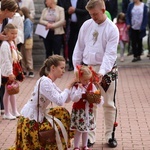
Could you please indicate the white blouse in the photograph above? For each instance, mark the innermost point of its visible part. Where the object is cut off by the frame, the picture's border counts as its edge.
(6, 59)
(48, 92)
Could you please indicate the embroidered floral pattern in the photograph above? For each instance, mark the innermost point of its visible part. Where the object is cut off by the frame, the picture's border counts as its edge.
(80, 120)
(27, 131)
(95, 35)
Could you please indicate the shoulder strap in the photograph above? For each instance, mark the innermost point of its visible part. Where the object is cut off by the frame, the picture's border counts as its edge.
(38, 105)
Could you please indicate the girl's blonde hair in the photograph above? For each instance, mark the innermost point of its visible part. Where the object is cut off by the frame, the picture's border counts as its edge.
(8, 27)
(83, 72)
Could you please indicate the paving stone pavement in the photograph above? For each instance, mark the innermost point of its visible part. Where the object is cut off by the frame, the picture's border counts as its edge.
(133, 105)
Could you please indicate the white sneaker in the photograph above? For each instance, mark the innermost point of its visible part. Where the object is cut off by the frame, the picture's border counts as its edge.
(9, 117)
(16, 114)
(31, 75)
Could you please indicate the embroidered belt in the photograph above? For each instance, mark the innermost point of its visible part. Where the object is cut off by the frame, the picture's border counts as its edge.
(109, 77)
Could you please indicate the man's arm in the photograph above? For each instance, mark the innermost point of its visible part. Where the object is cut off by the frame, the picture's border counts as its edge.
(110, 55)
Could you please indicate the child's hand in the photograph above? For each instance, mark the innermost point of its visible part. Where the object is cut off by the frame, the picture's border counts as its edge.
(80, 85)
(12, 77)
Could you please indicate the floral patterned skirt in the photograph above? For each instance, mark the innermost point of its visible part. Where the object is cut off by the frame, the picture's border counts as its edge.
(27, 131)
(82, 120)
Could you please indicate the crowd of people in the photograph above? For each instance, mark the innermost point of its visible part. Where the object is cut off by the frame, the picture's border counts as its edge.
(16, 14)
(90, 38)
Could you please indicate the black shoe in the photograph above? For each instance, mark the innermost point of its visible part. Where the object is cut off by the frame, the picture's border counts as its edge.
(135, 59)
(71, 68)
(112, 143)
(130, 53)
(138, 58)
(89, 144)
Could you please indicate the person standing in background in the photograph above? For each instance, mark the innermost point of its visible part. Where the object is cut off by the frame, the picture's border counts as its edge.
(108, 14)
(53, 18)
(76, 14)
(112, 7)
(148, 40)
(124, 5)
(97, 47)
(18, 20)
(136, 18)
(29, 4)
(27, 59)
(123, 32)
(9, 56)
(8, 10)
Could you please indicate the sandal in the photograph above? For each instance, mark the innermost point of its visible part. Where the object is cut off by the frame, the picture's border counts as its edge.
(76, 148)
(86, 148)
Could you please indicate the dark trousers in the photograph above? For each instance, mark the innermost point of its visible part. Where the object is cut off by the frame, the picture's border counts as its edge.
(2, 90)
(74, 30)
(52, 43)
(136, 43)
(148, 40)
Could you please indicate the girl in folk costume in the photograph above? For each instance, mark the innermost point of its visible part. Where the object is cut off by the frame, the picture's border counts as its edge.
(123, 31)
(82, 117)
(8, 52)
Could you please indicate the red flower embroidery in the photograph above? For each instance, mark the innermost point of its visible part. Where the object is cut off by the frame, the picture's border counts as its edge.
(81, 120)
(116, 124)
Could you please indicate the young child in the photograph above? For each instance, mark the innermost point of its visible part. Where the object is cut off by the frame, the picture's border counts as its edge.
(123, 31)
(8, 52)
(82, 116)
(27, 59)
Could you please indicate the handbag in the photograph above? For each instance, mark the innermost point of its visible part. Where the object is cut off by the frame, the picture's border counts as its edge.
(28, 43)
(46, 136)
(12, 87)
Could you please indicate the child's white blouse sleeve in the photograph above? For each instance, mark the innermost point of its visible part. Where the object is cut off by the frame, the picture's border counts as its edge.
(76, 94)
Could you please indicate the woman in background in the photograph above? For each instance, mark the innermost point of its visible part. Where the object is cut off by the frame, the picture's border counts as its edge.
(136, 18)
(53, 17)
